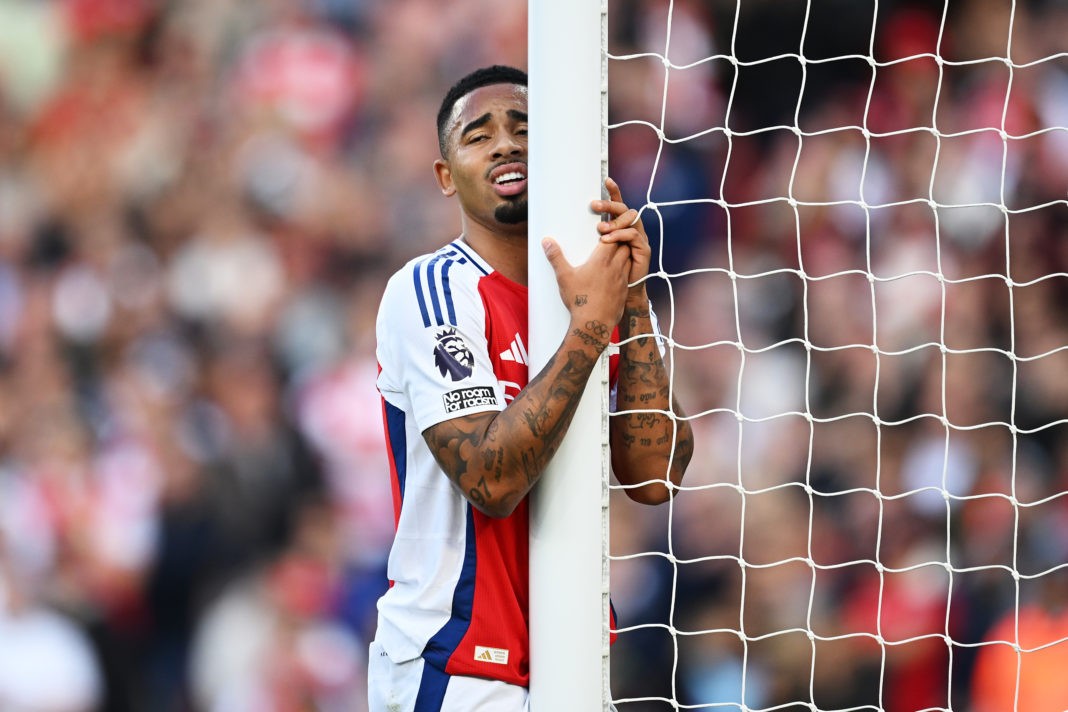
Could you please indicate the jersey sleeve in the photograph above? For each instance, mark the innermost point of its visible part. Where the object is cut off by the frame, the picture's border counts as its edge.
(432, 350)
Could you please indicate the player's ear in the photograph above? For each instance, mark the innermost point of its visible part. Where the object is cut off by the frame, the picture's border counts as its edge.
(444, 175)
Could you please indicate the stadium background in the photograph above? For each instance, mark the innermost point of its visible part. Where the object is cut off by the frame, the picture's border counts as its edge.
(200, 201)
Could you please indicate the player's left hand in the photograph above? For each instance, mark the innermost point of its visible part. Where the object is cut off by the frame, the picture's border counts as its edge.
(624, 227)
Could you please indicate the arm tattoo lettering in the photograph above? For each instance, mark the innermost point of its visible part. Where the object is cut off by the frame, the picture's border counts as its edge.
(646, 438)
(587, 339)
(531, 466)
(480, 493)
(595, 334)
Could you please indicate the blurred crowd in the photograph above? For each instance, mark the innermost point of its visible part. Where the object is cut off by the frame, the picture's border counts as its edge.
(200, 201)
(199, 204)
(864, 262)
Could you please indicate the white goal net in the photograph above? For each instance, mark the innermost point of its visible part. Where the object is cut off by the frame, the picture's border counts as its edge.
(860, 237)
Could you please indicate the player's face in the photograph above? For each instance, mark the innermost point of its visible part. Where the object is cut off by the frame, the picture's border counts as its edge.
(486, 166)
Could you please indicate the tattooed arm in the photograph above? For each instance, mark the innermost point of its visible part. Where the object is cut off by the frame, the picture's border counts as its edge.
(495, 458)
(648, 446)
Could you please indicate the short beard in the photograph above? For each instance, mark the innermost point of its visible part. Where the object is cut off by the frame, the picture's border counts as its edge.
(511, 213)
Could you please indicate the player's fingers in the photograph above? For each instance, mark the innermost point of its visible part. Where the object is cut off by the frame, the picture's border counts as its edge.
(555, 255)
(606, 251)
(614, 247)
(628, 235)
(621, 264)
(614, 193)
(614, 208)
(609, 258)
(626, 219)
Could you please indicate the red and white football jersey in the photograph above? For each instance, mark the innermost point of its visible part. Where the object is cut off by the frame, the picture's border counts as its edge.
(452, 336)
(451, 342)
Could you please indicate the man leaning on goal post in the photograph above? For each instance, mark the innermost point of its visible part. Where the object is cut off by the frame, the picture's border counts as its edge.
(469, 435)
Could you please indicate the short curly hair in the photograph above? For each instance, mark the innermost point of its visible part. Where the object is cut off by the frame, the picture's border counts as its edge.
(486, 76)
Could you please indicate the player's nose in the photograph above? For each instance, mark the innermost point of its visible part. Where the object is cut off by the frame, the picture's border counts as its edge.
(508, 144)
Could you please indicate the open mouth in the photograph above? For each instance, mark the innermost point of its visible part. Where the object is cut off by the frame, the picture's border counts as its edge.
(509, 179)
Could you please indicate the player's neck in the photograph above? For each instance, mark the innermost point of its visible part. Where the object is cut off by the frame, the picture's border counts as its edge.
(505, 251)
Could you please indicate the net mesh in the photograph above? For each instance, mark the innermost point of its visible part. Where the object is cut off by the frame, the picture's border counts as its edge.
(861, 267)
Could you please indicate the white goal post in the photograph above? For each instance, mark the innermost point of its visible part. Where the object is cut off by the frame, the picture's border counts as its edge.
(568, 515)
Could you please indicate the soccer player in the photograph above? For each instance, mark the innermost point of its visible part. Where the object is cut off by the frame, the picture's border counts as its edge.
(469, 435)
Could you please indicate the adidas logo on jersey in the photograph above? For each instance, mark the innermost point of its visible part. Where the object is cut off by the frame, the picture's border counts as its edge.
(516, 352)
(497, 656)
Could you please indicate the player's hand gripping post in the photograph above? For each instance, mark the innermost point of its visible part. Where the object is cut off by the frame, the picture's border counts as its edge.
(651, 442)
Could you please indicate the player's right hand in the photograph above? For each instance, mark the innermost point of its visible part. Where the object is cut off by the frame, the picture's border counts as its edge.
(595, 291)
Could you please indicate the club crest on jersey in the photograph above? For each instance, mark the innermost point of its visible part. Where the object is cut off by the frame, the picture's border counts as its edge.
(451, 355)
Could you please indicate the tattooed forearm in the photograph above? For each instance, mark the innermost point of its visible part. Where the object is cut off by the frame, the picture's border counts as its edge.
(493, 461)
(549, 418)
(480, 493)
(495, 458)
(536, 420)
(588, 339)
(651, 442)
(455, 447)
(595, 334)
(646, 421)
(531, 465)
(649, 375)
(599, 329)
(636, 321)
(652, 450)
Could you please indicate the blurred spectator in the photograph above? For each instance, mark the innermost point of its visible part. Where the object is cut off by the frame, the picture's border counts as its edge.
(1021, 663)
(273, 641)
(38, 647)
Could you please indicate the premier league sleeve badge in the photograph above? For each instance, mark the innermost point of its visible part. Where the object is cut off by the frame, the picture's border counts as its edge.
(452, 355)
